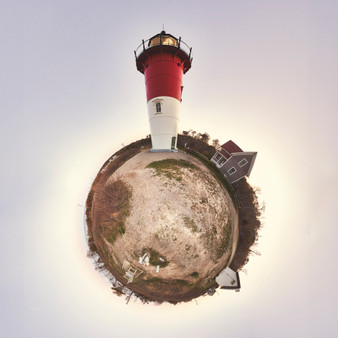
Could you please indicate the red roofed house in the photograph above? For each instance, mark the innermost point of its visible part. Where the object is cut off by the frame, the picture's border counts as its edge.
(233, 162)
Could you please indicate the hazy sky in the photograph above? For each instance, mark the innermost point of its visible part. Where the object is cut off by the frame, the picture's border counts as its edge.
(264, 74)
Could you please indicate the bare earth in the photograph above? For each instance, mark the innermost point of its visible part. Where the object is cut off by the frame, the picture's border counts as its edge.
(190, 221)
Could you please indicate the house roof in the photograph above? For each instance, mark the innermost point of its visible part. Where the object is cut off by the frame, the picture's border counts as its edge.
(229, 279)
(229, 148)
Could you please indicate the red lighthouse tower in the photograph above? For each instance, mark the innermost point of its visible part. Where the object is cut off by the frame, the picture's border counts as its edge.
(163, 59)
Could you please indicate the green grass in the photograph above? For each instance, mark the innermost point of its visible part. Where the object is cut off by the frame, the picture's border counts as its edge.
(225, 242)
(154, 258)
(121, 228)
(115, 199)
(170, 168)
(111, 237)
(190, 224)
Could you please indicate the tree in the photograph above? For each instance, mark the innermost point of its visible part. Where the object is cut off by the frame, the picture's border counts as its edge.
(205, 137)
(215, 143)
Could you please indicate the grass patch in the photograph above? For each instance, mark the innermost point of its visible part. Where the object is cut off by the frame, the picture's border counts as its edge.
(111, 237)
(163, 283)
(225, 242)
(156, 258)
(112, 209)
(170, 168)
(190, 224)
(175, 282)
(121, 228)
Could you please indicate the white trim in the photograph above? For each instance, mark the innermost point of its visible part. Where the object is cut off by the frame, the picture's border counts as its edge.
(164, 124)
(218, 159)
(158, 107)
(155, 104)
(243, 164)
(221, 161)
(234, 170)
(252, 154)
(218, 156)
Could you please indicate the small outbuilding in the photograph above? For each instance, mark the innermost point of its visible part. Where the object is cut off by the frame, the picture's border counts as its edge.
(228, 279)
(233, 162)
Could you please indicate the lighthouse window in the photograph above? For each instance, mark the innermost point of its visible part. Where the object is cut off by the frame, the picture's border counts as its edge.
(158, 107)
(169, 41)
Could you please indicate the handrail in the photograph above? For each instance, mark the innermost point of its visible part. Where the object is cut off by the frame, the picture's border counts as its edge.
(146, 45)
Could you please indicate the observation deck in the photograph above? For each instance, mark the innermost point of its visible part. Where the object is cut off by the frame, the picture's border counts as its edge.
(160, 43)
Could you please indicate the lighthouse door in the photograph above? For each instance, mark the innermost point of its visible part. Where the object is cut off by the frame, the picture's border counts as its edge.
(173, 141)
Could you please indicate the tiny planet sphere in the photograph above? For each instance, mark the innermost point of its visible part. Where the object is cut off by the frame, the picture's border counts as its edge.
(164, 225)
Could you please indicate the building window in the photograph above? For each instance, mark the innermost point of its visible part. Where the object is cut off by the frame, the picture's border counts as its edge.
(243, 162)
(158, 107)
(231, 170)
(217, 156)
(221, 161)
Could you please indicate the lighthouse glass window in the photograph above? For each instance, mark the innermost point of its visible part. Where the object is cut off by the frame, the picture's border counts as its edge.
(158, 107)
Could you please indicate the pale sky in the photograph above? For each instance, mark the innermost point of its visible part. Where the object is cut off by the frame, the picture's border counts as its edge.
(264, 74)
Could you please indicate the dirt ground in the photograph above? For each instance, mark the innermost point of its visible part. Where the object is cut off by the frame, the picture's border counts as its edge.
(186, 217)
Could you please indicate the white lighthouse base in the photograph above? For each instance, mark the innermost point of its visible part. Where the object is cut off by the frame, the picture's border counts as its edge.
(164, 142)
(163, 113)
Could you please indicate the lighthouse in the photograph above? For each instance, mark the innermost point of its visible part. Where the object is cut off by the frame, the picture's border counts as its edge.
(163, 59)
